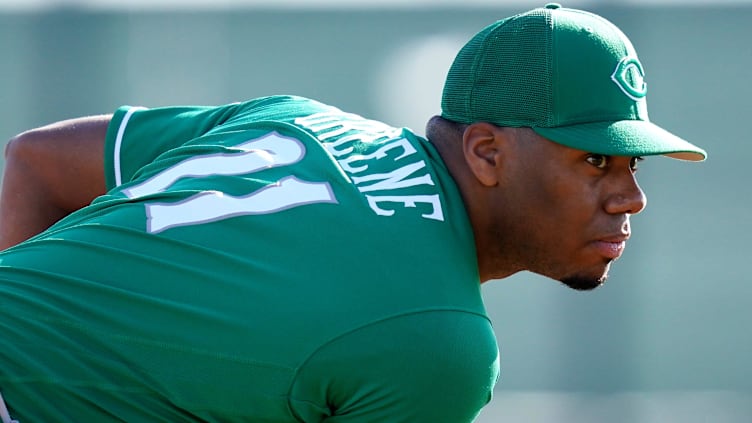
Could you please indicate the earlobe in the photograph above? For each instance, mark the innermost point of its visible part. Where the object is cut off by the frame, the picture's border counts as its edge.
(481, 144)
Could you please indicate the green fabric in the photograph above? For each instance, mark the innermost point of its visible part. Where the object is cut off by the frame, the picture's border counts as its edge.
(204, 288)
(560, 71)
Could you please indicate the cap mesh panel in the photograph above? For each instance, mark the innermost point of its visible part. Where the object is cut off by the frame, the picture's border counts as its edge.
(503, 75)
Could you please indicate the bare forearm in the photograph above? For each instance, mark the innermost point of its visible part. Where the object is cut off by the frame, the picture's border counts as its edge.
(49, 173)
(25, 207)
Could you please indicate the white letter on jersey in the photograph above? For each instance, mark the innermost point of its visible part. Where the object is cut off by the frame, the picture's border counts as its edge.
(268, 151)
(408, 201)
(395, 179)
(210, 206)
(407, 149)
(271, 150)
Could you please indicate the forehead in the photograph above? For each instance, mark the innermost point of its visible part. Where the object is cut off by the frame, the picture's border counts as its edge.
(533, 144)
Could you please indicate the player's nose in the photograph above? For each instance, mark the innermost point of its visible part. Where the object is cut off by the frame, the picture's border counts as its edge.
(627, 196)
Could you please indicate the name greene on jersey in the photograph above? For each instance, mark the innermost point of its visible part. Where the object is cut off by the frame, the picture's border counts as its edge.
(351, 140)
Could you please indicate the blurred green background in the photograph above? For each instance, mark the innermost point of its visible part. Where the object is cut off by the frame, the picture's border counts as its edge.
(665, 340)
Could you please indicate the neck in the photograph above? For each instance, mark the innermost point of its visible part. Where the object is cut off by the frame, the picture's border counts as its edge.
(452, 155)
(473, 154)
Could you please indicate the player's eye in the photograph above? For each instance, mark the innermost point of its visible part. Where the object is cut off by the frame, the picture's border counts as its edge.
(634, 163)
(598, 160)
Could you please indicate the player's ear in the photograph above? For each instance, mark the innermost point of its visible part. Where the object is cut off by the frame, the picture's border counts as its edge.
(483, 145)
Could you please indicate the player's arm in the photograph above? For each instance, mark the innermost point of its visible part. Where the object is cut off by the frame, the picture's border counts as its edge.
(50, 172)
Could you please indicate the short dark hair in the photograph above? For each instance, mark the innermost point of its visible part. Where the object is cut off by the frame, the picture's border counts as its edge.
(442, 128)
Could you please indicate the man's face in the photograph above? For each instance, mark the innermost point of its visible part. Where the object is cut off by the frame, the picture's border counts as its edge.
(565, 212)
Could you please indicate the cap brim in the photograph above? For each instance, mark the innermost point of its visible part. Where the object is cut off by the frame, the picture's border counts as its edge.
(624, 138)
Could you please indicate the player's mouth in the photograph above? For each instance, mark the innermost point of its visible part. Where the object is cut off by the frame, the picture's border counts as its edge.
(611, 247)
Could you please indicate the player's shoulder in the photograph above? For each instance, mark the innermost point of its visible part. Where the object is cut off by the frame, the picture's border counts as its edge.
(436, 365)
(315, 115)
(283, 106)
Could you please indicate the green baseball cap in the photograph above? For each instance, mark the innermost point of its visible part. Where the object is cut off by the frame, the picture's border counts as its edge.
(570, 75)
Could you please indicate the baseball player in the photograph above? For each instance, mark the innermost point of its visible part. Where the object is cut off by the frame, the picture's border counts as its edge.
(282, 260)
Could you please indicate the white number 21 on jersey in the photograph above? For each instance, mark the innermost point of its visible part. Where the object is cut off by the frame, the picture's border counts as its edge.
(268, 151)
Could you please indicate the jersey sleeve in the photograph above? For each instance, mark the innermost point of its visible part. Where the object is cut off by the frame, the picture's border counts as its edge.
(426, 367)
(136, 135)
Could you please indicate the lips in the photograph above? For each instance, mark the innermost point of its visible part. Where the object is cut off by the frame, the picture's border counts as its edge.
(611, 247)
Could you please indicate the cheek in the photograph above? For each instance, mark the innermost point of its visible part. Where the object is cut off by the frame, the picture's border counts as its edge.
(559, 211)
(533, 217)
(551, 196)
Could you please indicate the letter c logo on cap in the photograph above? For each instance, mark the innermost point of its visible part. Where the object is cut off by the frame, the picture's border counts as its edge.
(630, 78)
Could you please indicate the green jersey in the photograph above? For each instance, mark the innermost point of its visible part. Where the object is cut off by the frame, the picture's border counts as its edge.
(276, 260)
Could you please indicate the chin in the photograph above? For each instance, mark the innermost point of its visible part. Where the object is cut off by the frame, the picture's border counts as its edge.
(584, 283)
(587, 280)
